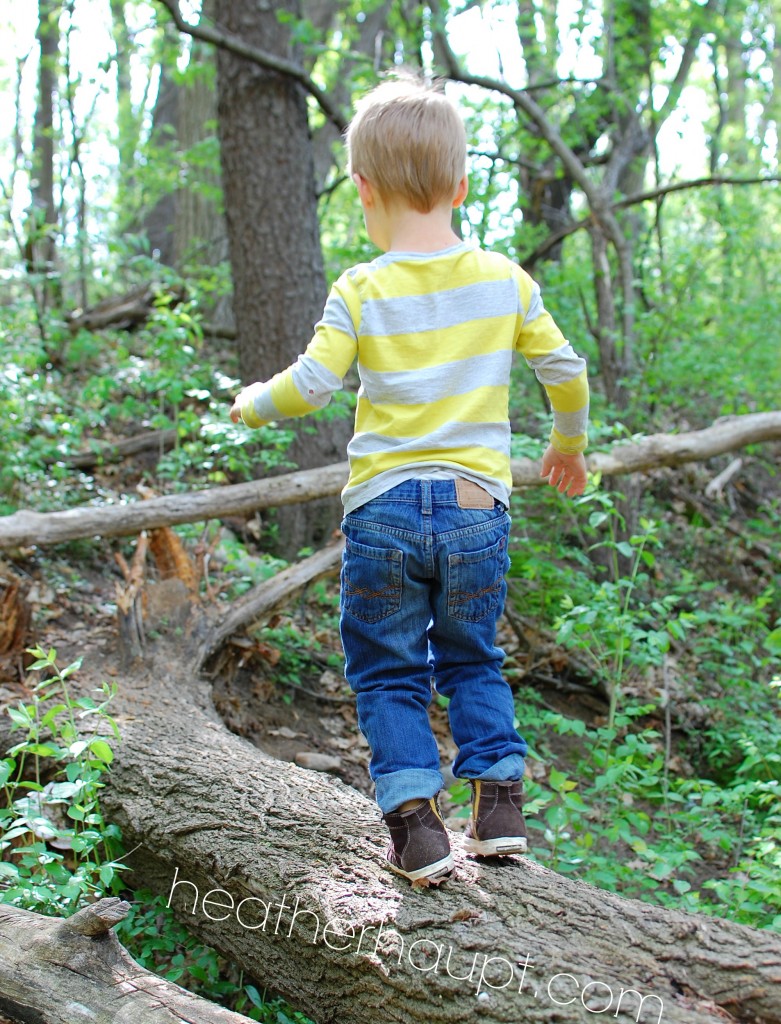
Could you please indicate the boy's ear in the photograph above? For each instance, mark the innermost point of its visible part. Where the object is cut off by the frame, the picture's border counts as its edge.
(365, 191)
(463, 188)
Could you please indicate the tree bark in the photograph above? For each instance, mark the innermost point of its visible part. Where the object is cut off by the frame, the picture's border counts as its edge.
(28, 527)
(72, 971)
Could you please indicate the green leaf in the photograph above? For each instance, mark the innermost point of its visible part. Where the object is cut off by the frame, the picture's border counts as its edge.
(42, 749)
(254, 996)
(70, 669)
(106, 874)
(20, 716)
(559, 781)
(597, 518)
(102, 750)
(52, 713)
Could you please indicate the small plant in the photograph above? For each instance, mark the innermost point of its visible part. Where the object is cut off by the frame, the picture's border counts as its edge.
(57, 849)
(163, 945)
(609, 628)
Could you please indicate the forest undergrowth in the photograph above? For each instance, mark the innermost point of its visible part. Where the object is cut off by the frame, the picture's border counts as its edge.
(643, 640)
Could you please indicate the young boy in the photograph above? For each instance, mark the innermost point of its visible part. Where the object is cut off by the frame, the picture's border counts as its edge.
(433, 323)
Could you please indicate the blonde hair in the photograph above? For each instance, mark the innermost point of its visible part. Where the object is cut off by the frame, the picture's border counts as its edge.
(408, 141)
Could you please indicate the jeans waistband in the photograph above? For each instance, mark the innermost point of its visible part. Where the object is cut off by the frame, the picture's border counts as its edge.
(422, 492)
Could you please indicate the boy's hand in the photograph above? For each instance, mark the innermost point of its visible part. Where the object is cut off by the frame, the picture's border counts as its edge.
(235, 413)
(567, 473)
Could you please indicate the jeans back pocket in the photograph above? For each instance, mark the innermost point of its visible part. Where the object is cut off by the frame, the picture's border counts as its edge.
(475, 581)
(371, 581)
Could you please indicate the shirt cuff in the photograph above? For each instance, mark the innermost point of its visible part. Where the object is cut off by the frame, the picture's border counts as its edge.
(248, 400)
(568, 445)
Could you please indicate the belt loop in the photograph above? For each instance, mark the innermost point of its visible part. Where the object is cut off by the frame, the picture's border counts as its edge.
(425, 497)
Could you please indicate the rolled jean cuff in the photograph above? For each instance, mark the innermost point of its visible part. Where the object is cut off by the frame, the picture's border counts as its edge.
(408, 784)
(509, 769)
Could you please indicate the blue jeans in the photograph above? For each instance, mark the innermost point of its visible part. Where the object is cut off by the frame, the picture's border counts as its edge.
(422, 587)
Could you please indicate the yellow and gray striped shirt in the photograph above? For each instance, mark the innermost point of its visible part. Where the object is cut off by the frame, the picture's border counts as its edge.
(434, 335)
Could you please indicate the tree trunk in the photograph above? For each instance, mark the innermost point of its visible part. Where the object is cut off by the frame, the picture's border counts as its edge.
(42, 232)
(271, 209)
(127, 120)
(27, 527)
(186, 225)
(200, 231)
(158, 222)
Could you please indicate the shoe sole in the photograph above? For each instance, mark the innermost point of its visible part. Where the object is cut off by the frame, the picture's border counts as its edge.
(439, 869)
(501, 847)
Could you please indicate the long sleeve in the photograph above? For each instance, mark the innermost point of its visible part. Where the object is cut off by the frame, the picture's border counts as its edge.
(558, 368)
(309, 383)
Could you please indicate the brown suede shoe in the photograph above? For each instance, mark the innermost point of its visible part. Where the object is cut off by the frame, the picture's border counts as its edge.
(496, 827)
(419, 846)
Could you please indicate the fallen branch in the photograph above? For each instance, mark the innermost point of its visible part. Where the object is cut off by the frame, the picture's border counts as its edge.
(715, 488)
(656, 450)
(27, 527)
(269, 595)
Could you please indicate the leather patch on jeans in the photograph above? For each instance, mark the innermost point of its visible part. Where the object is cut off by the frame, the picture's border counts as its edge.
(472, 495)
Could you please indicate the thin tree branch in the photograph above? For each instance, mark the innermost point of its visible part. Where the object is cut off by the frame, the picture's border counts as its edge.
(271, 61)
(639, 197)
(572, 163)
(678, 186)
(700, 19)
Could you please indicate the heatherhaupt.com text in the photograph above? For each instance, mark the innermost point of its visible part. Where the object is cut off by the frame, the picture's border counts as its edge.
(479, 971)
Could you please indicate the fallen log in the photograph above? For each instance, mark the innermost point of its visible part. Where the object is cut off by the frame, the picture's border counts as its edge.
(27, 527)
(280, 867)
(115, 451)
(72, 971)
(657, 450)
(125, 311)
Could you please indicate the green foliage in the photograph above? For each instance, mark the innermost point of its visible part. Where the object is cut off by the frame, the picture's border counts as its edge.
(58, 852)
(160, 378)
(162, 944)
(608, 628)
(619, 818)
(301, 649)
(626, 801)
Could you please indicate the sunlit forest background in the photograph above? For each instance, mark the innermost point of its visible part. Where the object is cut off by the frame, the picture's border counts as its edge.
(174, 207)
